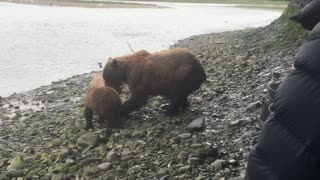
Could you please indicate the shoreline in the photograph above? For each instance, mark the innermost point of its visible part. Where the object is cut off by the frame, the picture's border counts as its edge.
(153, 146)
(81, 4)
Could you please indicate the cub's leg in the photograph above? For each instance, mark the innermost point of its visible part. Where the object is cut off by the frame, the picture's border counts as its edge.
(88, 114)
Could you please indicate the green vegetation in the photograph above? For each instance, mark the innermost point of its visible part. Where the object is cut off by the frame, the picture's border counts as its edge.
(285, 32)
(261, 2)
(270, 7)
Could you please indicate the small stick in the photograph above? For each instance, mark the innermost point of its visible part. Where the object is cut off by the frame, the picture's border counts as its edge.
(130, 47)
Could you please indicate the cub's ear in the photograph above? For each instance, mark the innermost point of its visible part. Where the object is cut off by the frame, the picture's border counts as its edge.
(114, 63)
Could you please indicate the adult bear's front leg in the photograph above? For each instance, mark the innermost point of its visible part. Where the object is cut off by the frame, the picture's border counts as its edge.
(136, 101)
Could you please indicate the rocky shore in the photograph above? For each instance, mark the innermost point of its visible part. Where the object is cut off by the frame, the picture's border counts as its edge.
(42, 132)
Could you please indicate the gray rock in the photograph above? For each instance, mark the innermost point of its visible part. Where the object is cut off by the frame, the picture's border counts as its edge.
(196, 125)
(16, 163)
(116, 173)
(166, 177)
(11, 173)
(184, 135)
(216, 165)
(138, 134)
(64, 152)
(134, 169)
(184, 169)
(182, 156)
(105, 166)
(194, 161)
(163, 171)
(240, 122)
(70, 162)
(237, 178)
(174, 140)
(4, 177)
(112, 157)
(4, 162)
(196, 145)
(59, 177)
(232, 162)
(87, 162)
(88, 140)
(125, 154)
(209, 152)
(253, 107)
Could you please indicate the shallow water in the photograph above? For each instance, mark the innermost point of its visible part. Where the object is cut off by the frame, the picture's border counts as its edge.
(43, 44)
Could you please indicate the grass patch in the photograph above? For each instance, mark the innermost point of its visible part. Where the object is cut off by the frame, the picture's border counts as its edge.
(264, 7)
(285, 32)
(84, 3)
(260, 2)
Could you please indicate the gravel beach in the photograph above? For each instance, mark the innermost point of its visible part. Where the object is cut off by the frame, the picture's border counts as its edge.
(42, 132)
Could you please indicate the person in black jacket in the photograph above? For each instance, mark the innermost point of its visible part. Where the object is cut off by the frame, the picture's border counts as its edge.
(289, 144)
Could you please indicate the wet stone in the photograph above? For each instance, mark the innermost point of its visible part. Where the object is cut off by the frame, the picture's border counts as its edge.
(184, 135)
(105, 166)
(196, 125)
(237, 178)
(11, 173)
(194, 161)
(60, 177)
(183, 156)
(112, 157)
(253, 107)
(87, 162)
(216, 165)
(88, 140)
(184, 169)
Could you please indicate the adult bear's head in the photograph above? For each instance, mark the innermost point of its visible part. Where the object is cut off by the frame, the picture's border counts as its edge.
(114, 74)
(309, 16)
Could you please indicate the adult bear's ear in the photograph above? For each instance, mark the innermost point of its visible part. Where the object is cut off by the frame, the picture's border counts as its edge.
(114, 63)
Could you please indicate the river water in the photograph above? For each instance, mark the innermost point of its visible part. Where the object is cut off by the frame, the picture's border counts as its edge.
(40, 44)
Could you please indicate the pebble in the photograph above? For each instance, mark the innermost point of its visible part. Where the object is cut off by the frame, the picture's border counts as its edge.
(112, 157)
(88, 140)
(105, 166)
(216, 165)
(11, 173)
(184, 169)
(184, 135)
(196, 125)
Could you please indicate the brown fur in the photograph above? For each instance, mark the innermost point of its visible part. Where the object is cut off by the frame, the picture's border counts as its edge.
(173, 73)
(97, 81)
(105, 101)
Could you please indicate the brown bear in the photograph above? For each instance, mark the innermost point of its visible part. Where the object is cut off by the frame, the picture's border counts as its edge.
(105, 101)
(173, 73)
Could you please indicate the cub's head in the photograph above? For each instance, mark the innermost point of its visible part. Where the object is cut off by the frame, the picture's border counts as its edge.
(113, 74)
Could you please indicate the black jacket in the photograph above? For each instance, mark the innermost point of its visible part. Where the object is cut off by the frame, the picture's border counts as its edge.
(289, 144)
(309, 16)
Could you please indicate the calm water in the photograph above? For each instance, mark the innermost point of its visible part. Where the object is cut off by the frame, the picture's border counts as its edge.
(44, 44)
